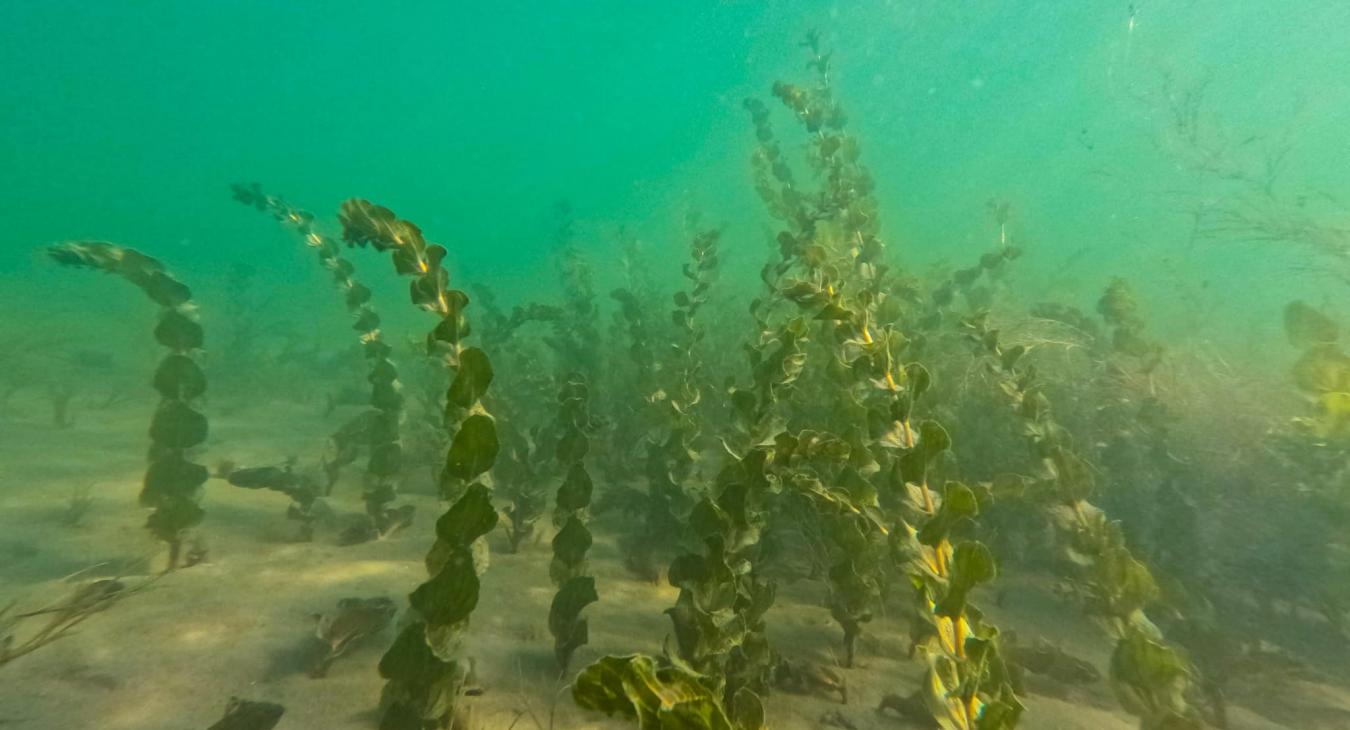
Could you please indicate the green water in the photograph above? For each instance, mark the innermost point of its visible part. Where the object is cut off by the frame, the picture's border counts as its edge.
(123, 121)
(1196, 148)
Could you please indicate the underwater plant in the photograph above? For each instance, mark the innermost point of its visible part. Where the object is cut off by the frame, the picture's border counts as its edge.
(1150, 676)
(355, 620)
(524, 474)
(575, 333)
(576, 588)
(427, 671)
(1322, 371)
(840, 283)
(241, 714)
(1133, 441)
(58, 619)
(172, 481)
(635, 321)
(304, 491)
(657, 696)
(522, 477)
(631, 317)
(378, 427)
(963, 282)
(672, 396)
(830, 276)
(721, 656)
(1118, 308)
(1319, 446)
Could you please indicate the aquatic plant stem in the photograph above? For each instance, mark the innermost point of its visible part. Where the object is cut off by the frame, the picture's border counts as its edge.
(428, 671)
(1150, 676)
(378, 428)
(833, 247)
(568, 570)
(173, 482)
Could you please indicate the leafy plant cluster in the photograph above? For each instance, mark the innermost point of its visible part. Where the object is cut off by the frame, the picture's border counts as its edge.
(1151, 677)
(827, 324)
(888, 431)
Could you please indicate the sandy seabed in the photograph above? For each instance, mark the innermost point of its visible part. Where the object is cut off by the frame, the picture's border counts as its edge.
(242, 623)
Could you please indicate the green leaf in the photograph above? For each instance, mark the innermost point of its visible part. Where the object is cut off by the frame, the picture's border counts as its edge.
(474, 448)
(165, 290)
(564, 616)
(747, 710)
(575, 492)
(572, 542)
(1012, 355)
(386, 459)
(451, 595)
(471, 516)
(573, 446)
(1147, 674)
(357, 295)
(179, 377)
(934, 440)
(176, 425)
(472, 379)
(958, 503)
(170, 476)
(834, 312)
(409, 659)
(1073, 477)
(668, 698)
(973, 563)
(178, 332)
(920, 380)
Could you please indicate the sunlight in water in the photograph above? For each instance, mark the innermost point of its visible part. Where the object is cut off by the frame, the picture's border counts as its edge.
(338, 573)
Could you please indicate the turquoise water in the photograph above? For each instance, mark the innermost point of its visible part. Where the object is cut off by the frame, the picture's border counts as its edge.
(1195, 147)
(124, 121)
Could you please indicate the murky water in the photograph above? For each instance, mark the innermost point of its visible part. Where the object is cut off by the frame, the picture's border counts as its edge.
(704, 365)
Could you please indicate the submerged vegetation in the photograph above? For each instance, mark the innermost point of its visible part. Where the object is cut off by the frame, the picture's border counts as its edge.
(905, 450)
(377, 428)
(427, 670)
(173, 481)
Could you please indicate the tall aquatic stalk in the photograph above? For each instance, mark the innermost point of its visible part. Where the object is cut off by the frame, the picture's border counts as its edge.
(721, 665)
(378, 428)
(830, 268)
(568, 570)
(833, 249)
(427, 668)
(576, 338)
(672, 400)
(1150, 676)
(173, 481)
(1322, 372)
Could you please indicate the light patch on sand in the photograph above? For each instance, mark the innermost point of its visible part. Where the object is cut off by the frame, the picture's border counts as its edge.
(142, 713)
(334, 573)
(202, 636)
(643, 592)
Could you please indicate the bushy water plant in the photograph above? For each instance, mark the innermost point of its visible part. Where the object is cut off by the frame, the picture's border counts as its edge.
(879, 444)
(1151, 676)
